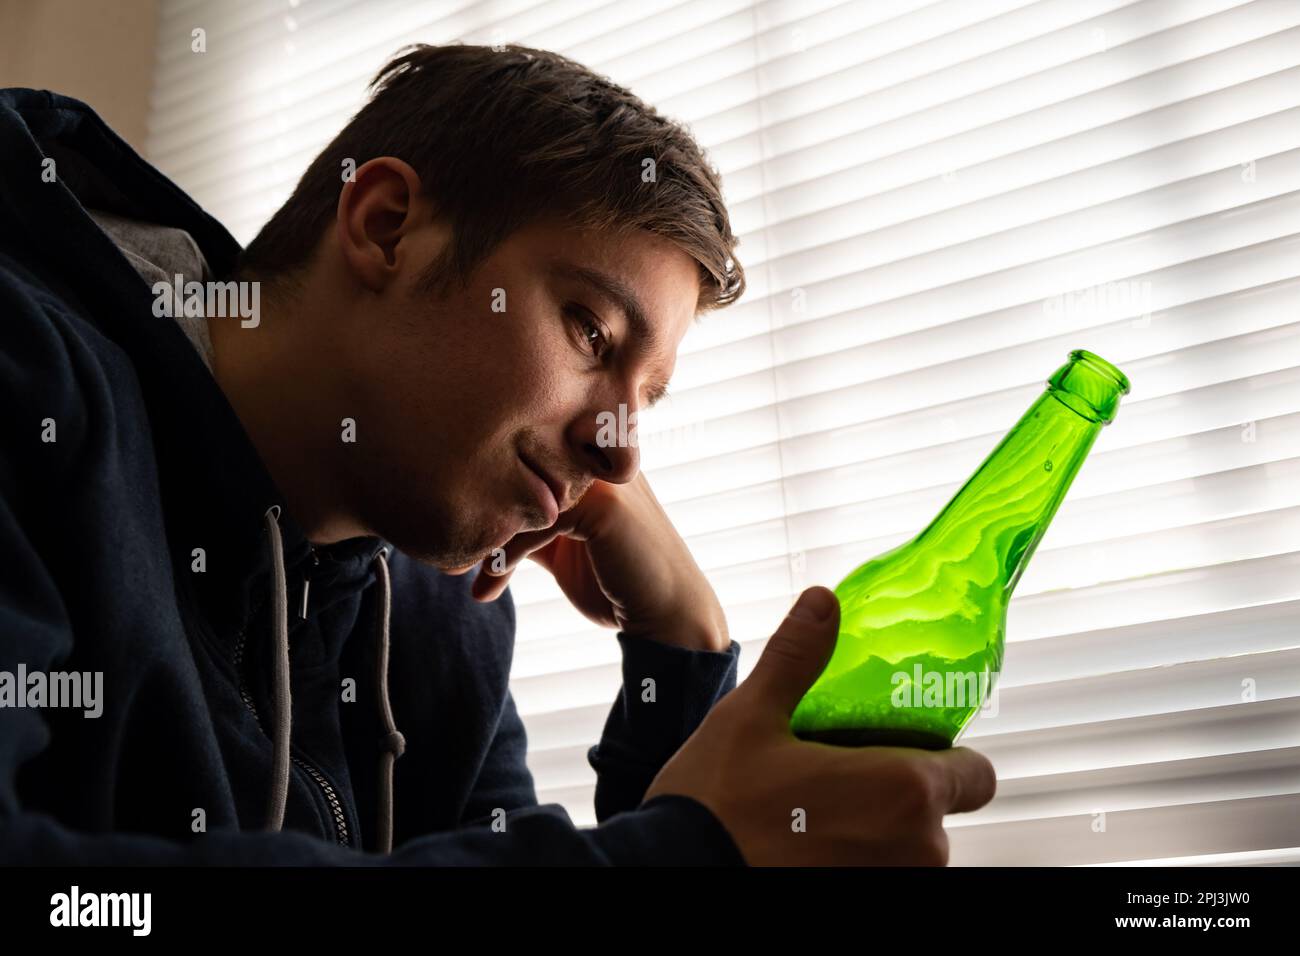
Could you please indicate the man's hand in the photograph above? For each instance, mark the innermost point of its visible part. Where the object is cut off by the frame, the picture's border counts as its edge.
(620, 561)
(861, 805)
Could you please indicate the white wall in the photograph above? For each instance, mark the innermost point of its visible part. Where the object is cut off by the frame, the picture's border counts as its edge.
(99, 52)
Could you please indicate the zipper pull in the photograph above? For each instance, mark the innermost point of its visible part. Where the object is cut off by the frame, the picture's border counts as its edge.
(306, 586)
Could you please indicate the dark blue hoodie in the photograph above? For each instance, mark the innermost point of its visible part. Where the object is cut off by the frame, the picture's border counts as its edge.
(139, 530)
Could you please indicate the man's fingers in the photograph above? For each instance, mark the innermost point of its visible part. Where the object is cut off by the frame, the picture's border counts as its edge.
(497, 567)
(969, 780)
(505, 559)
(489, 587)
(524, 544)
(797, 653)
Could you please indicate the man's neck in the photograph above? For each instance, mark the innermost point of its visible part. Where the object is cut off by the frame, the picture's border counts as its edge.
(285, 400)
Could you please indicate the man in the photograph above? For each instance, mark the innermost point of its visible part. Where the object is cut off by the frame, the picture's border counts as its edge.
(243, 489)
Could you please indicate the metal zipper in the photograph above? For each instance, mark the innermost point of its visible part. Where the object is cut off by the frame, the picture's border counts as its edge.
(336, 805)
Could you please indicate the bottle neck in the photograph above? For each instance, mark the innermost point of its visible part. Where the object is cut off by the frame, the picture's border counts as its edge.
(998, 517)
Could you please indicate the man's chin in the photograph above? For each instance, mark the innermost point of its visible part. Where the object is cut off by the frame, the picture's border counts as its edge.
(455, 542)
(435, 542)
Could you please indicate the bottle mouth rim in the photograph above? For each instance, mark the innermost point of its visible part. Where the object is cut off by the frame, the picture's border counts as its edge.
(1099, 364)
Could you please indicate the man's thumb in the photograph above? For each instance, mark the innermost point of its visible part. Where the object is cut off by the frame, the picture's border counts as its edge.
(797, 653)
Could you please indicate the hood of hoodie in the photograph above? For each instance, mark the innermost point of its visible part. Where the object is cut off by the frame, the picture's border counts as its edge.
(160, 254)
(204, 455)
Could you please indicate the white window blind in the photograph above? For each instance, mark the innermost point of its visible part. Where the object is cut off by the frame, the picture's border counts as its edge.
(937, 201)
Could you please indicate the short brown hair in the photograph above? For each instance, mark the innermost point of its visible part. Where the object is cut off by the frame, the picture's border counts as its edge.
(503, 136)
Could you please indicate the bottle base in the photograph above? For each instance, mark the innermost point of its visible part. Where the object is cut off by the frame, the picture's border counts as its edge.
(877, 737)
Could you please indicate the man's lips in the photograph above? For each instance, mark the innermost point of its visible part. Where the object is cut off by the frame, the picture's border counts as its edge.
(546, 495)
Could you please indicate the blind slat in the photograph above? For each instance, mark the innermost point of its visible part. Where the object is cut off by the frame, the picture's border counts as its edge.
(1222, 826)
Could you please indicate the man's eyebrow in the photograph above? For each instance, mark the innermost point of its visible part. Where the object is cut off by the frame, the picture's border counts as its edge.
(643, 335)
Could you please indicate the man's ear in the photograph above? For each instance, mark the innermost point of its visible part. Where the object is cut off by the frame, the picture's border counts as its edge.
(377, 208)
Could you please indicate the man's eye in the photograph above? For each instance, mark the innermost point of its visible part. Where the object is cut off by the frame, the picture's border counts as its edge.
(593, 335)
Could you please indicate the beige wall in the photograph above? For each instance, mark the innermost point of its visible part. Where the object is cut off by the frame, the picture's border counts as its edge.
(100, 51)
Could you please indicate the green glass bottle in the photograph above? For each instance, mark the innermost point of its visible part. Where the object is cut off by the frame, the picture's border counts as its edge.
(922, 627)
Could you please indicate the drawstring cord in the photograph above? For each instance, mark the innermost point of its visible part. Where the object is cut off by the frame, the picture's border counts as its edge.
(392, 744)
(282, 709)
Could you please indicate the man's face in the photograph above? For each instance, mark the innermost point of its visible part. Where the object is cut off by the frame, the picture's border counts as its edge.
(462, 400)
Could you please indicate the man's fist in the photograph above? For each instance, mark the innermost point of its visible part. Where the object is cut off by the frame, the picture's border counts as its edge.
(860, 805)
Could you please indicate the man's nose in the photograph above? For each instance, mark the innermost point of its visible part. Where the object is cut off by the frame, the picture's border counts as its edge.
(609, 443)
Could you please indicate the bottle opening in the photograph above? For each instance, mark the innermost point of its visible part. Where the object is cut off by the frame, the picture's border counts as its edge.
(1089, 385)
(1098, 363)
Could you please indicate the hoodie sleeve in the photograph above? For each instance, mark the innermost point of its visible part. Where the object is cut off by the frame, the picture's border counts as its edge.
(666, 693)
(504, 779)
(636, 743)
